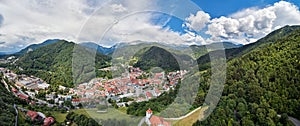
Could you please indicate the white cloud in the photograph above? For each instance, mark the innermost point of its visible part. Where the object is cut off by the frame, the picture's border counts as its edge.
(197, 22)
(138, 28)
(118, 8)
(248, 25)
(33, 21)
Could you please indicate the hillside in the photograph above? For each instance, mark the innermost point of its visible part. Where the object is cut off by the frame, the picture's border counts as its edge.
(200, 50)
(53, 63)
(204, 61)
(261, 83)
(35, 46)
(7, 100)
(158, 57)
(100, 49)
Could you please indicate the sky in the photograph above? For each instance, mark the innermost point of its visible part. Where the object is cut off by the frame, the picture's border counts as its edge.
(107, 22)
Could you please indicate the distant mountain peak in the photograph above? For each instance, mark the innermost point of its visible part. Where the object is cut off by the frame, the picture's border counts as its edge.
(99, 48)
(36, 46)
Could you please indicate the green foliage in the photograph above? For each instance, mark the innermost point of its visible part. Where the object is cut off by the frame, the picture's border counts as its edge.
(260, 84)
(157, 104)
(81, 120)
(200, 50)
(104, 74)
(231, 53)
(157, 57)
(7, 101)
(7, 111)
(53, 63)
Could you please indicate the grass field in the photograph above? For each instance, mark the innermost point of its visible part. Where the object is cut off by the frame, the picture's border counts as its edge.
(110, 114)
(59, 117)
(188, 121)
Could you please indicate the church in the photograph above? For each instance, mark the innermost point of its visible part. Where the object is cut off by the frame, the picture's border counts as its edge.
(152, 120)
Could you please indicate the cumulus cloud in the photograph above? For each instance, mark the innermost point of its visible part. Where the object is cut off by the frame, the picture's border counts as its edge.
(248, 25)
(118, 8)
(33, 21)
(197, 22)
(132, 29)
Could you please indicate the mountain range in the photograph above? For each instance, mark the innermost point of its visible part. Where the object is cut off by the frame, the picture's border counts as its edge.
(262, 77)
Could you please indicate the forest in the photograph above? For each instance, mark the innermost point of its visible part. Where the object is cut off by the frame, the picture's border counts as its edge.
(260, 86)
(53, 63)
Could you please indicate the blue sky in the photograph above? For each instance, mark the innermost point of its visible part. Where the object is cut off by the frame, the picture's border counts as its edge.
(198, 21)
(218, 8)
(221, 10)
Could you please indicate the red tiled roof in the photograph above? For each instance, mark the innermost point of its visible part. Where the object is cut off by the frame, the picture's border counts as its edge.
(22, 96)
(155, 121)
(75, 100)
(157, 91)
(32, 114)
(48, 121)
(149, 111)
(14, 90)
(172, 82)
(148, 94)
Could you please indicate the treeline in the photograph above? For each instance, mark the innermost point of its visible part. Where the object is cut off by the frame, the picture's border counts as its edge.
(260, 86)
(53, 63)
(157, 57)
(156, 104)
(81, 120)
(7, 100)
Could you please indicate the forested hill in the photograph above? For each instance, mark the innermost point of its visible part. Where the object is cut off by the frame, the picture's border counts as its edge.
(36, 46)
(200, 50)
(260, 84)
(231, 53)
(53, 63)
(158, 57)
(7, 100)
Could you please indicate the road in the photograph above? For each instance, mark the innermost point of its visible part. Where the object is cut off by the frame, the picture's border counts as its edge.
(182, 117)
(141, 122)
(16, 122)
(295, 121)
(179, 118)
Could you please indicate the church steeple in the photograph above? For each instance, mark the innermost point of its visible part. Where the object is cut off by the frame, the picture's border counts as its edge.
(148, 113)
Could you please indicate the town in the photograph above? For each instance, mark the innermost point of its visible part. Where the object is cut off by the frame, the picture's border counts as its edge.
(133, 86)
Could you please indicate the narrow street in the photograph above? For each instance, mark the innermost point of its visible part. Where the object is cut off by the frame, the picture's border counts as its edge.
(16, 122)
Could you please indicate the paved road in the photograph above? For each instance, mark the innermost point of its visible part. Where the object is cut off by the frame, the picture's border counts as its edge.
(141, 122)
(179, 118)
(182, 117)
(16, 122)
(295, 121)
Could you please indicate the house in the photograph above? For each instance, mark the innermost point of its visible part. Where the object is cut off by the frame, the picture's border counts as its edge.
(61, 87)
(75, 102)
(157, 92)
(22, 96)
(14, 90)
(152, 120)
(32, 115)
(31, 94)
(50, 96)
(148, 95)
(48, 121)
